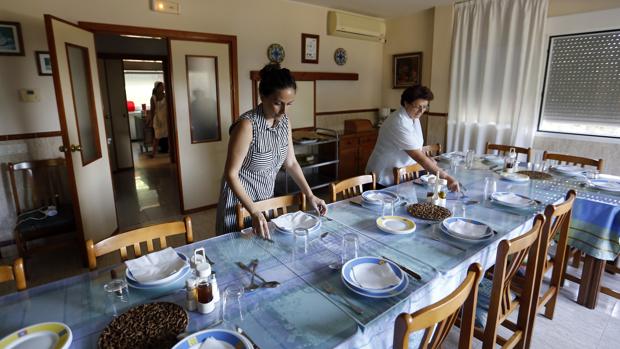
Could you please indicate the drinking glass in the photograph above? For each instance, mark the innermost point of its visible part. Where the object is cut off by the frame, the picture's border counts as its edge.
(232, 306)
(454, 163)
(300, 243)
(469, 159)
(350, 244)
(387, 207)
(117, 294)
(490, 187)
(592, 174)
(458, 209)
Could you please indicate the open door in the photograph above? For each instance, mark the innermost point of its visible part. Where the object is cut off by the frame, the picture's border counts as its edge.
(78, 96)
(202, 95)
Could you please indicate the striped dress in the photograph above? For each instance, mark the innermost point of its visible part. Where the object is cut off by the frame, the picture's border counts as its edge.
(267, 152)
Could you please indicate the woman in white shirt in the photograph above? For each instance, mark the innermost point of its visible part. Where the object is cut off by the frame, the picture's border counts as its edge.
(400, 139)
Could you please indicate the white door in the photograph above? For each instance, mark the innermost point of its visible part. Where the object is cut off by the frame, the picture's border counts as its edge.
(201, 86)
(78, 97)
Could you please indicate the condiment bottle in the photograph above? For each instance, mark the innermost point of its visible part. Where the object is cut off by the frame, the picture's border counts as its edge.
(442, 192)
(430, 188)
(204, 291)
(510, 162)
(215, 288)
(191, 296)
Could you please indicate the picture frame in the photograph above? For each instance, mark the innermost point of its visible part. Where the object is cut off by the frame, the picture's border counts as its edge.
(406, 69)
(44, 63)
(309, 48)
(11, 40)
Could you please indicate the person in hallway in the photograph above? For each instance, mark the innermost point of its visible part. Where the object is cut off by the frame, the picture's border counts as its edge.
(400, 139)
(260, 143)
(158, 115)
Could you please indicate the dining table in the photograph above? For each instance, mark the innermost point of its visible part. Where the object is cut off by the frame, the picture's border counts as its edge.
(312, 308)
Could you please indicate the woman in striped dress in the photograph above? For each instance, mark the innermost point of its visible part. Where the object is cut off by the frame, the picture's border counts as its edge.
(260, 144)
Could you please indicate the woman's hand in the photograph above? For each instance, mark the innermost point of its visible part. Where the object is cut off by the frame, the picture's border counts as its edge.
(318, 205)
(453, 184)
(259, 225)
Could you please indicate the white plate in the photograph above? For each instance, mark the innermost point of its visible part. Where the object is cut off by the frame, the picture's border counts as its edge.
(167, 279)
(446, 226)
(571, 170)
(501, 197)
(606, 184)
(376, 197)
(45, 335)
(495, 159)
(515, 177)
(396, 225)
(231, 338)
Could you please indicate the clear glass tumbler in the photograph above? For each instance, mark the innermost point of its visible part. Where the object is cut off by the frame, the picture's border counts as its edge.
(469, 159)
(490, 187)
(232, 303)
(387, 207)
(300, 243)
(117, 293)
(350, 244)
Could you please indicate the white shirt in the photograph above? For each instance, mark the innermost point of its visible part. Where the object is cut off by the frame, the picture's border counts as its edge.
(398, 133)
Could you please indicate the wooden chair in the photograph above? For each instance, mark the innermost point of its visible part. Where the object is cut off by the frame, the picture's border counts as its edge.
(437, 319)
(556, 225)
(40, 185)
(135, 237)
(504, 149)
(353, 186)
(432, 150)
(15, 272)
(407, 173)
(271, 208)
(496, 299)
(574, 160)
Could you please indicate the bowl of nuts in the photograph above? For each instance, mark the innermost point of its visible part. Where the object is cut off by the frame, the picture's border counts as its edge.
(429, 212)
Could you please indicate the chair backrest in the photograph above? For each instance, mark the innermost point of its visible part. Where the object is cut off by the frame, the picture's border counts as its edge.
(432, 149)
(133, 238)
(407, 173)
(510, 256)
(437, 319)
(38, 183)
(15, 272)
(353, 186)
(504, 149)
(271, 208)
(574, 160)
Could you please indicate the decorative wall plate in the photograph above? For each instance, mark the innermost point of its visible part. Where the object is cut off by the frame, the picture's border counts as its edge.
(340, 56)
(275, 53)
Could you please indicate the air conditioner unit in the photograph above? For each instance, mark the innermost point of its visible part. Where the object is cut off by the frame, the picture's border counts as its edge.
(356, 27)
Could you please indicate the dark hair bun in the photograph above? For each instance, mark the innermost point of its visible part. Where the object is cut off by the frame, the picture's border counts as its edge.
(274, 78)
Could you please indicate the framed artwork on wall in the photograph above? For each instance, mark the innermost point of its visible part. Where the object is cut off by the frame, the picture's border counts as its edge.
(406, 69)
(309, 48)
(44, 63)
(11, 42)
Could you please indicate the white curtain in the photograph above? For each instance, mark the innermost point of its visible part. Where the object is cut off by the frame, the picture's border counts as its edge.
(497, 53)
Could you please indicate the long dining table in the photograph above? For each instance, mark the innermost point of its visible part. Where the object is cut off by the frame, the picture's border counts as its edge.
(300, 313)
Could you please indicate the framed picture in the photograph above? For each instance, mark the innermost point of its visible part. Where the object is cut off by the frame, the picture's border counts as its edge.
(44, 62)
(407, 69)
(309, 48)
(11, 42)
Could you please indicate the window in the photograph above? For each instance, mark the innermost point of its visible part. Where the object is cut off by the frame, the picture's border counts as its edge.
(581, 93)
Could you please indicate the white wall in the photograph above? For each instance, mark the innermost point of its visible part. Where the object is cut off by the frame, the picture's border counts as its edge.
(139, 87)
(592, 147)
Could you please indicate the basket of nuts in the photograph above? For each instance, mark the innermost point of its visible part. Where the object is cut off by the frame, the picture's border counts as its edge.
(428, 211)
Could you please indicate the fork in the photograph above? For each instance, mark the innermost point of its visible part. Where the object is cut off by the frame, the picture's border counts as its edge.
(330, 290)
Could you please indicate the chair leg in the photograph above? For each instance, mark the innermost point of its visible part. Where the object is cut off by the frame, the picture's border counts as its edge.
(576, 258)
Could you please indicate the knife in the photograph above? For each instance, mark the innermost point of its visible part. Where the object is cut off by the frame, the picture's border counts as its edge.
(405, 269)
(243, 333)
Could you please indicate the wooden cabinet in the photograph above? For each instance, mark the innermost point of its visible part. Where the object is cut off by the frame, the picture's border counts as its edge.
(354, 151)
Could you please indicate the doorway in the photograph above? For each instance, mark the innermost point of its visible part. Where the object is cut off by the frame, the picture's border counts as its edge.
(144, 171)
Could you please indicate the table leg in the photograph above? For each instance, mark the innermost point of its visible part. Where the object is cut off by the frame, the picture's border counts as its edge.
(590, 285)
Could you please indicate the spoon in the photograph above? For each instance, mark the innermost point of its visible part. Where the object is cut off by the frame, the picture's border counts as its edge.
(253, 285)
(268, 284)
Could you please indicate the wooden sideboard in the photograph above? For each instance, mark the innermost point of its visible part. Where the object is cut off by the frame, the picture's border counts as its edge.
(354, 151)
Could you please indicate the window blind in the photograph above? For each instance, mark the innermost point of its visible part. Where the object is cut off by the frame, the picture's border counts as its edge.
(583, 79)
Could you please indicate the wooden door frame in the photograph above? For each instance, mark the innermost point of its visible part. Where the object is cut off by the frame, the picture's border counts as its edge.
(170, 34)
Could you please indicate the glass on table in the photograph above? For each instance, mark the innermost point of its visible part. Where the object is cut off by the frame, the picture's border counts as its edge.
(300, 243)
(458, 209)
(117, 294)
(232, 304)
(387, 207)
(592, 174)
(469, 159)
(350, 245)
(454, 163)
(490, 187)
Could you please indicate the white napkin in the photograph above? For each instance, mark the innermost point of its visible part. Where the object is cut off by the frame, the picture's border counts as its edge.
(155, 266)
(374, 276)
(295, 220)
(212, 343)
(514, 199)
(465, 228)
(425, 178)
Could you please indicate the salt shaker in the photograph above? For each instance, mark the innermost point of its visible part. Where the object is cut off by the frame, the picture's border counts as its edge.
(190, 298)
(214, 288)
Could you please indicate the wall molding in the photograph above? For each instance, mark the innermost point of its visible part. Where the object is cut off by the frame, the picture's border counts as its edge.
(349, 111)
(312, 76)
(17, 136)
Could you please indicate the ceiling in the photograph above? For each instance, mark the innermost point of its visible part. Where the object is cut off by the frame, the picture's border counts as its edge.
(379, 8)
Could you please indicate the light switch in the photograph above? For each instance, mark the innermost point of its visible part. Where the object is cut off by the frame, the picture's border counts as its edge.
(28, 95)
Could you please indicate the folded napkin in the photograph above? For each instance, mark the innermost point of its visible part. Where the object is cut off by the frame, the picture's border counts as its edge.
(512, 198)
(374, 276)
(212, 343)
(291, 221)
(467, 229)
(155, 266)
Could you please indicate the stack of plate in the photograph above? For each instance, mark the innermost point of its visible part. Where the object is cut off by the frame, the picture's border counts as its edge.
(375, 198)
(608, 184)
(568, 170)
(46, 335)
(373, 277)
(512, 200)
(287, 223)
(466, 229)
(214, 337)
(174, 280)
